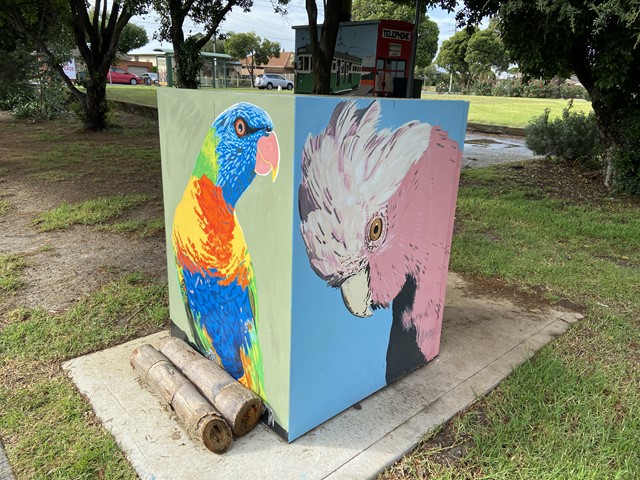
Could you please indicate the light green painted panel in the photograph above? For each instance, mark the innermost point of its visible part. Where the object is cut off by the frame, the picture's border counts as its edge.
(264, 212)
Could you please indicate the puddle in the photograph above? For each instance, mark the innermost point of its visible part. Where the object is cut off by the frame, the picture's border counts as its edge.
(481, 141)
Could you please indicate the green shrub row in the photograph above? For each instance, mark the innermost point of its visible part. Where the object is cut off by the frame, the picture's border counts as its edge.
(515, 87)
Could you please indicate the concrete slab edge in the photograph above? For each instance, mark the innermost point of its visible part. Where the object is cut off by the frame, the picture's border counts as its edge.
(6, 473)
(397, 443)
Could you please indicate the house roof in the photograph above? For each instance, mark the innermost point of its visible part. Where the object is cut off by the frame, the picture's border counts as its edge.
(169, 51)
(283, 61)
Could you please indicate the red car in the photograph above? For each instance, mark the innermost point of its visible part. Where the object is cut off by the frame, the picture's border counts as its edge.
(118, 75)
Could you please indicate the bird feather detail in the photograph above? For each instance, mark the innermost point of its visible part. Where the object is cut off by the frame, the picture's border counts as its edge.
(215, 272)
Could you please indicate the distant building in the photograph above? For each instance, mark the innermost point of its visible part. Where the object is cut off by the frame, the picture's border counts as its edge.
(144, 57)
(281, 65)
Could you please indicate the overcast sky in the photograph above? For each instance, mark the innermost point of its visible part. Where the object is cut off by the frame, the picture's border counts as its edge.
(267, 24)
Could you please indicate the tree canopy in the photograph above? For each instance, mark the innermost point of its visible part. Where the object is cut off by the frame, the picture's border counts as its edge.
(597, 40)
(388, 9)
(205, 14)
(54, 26)
(472, 53)
(243, 45)
(133, 36)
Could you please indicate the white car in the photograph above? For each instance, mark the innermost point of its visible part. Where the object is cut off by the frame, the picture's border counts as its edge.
(272, 80)
(149, 78)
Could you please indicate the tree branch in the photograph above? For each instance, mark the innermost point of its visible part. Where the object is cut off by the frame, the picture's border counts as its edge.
(16, 20)
(216, 21)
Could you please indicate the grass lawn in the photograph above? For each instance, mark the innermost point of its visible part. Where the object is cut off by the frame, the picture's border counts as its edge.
(146, 95)
(87, 189)
(511, 111)
(507, 111)
(540, 231)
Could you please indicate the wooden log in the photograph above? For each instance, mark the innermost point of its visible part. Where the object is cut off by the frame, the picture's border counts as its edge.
(239, 406)
(201, 420)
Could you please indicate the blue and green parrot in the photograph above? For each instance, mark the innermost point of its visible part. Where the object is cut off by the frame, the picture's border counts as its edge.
(214, 266)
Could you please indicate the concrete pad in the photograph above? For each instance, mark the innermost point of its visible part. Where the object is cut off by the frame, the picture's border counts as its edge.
(6, 473)
(483, 339)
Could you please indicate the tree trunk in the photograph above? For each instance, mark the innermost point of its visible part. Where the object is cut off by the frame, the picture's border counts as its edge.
(323, 48)
(187, 68)
(251, 68)
(606, 119)
(607, 106)
(95, 104)
(187, 56)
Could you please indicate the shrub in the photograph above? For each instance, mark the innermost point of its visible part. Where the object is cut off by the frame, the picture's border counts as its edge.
(46, 101)
(508, 87)
(626, 157)
(442, 85)
(540, 89)
(573, 91)
(16, 69)
(573, 137)
(481, 87)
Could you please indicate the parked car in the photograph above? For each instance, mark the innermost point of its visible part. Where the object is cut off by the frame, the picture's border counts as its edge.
(149, 78)
(118, 75)
(271, 80)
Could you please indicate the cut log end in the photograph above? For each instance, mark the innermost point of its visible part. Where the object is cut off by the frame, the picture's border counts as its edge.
(247, 417)
(215, 434)
(239, 406)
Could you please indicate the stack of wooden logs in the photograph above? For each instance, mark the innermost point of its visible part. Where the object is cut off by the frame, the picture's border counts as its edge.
(212, 405)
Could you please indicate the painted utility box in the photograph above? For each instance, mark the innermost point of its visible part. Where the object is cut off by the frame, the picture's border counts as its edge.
(308, 239)
(371, 58)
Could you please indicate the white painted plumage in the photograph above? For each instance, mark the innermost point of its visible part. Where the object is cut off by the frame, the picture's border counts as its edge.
(350, 171)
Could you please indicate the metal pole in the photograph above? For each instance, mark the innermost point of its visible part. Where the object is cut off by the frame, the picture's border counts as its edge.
(414, 48)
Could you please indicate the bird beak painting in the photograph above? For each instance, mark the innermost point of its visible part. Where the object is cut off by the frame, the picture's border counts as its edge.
(356, 294)
(268, 156)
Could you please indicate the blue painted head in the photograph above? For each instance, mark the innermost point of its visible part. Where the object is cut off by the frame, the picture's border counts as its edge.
(238, 130)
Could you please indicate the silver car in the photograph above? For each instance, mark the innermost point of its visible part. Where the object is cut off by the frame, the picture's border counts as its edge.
(272, 80)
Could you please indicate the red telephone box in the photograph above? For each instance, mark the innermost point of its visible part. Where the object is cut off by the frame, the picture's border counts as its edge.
(393, 57)
(371, 58)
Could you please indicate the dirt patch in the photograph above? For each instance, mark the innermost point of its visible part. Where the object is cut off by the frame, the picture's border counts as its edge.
(558, 180)
(531, 297)
(45, 164)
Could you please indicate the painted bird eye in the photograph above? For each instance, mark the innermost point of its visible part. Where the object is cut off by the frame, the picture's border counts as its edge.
(241, 127)
(375, 229)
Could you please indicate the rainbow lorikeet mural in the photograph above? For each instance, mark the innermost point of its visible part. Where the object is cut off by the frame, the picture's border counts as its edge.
(214, 267)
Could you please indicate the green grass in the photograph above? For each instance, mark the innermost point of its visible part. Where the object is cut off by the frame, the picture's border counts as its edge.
(10, 272)
(507, 111)
(142, 94)
(146, 95)
(128, 149)
(50, 430)
(89, 212)
(511, 111)
(573, 411)
(4, 206)
(139, 228)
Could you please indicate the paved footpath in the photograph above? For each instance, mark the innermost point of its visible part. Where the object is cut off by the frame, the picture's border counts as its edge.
(5, 468)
